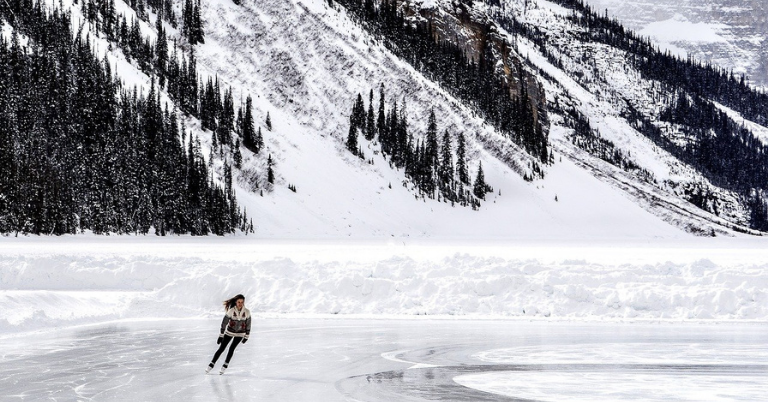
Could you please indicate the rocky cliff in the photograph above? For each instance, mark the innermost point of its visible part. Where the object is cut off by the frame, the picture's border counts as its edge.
(467, 24)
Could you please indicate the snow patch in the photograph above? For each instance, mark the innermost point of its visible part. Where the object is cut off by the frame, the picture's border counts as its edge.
(680, 29)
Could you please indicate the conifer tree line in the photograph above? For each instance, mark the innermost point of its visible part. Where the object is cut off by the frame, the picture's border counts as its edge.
(80, 152)
(427, 161)
(697, 78)
(726, 153)
(203, 100)
(163, 8)
(175, 70)
(192, 27)
(475, 82)
(676, 73)
(179, 76)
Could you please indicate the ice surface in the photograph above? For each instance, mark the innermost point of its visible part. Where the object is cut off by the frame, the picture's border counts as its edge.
(586, 386)
(375, 360)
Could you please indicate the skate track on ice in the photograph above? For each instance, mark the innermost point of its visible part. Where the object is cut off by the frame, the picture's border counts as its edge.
(314, 359)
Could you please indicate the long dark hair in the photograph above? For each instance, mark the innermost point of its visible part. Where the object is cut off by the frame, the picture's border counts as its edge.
(229, 303)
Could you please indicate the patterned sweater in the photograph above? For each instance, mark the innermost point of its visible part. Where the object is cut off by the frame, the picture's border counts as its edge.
(236, 323)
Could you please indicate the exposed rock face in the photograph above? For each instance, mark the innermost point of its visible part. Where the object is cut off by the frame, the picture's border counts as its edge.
(728, 33)
(465, 23)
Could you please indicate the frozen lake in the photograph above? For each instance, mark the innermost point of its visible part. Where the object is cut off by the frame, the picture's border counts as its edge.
(314, 359)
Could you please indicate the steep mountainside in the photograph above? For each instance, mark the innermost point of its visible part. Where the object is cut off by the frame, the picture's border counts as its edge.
(570, 133)
(729, 33)
(662, 113)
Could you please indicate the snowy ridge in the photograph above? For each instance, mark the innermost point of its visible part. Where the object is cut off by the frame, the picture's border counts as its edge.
(592, 282)
(598, 81)
(729, 33)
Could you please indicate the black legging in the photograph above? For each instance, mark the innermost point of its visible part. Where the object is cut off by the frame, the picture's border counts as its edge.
(224, 343)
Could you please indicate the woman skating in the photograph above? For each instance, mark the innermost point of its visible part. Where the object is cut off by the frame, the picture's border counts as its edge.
(235, 327)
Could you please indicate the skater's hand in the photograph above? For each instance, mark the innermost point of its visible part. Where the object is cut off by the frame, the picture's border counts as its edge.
(218, 341)
(245, 340)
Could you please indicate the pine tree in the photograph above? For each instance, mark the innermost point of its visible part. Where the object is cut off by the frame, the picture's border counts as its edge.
(250, 139)
(237, 157)
(758, 218)
(199, 35)
(228, 180)
(480, 187)
(446, 162)
(192, 25)
(270, 172)
(381, 124)
(461, 160)
(352, 136)
(226, 117)
(386, 137)
(431, 154)
(268, 122)
(208, 106)
(259, 140)
(358, 113)
(161, 52)
(370, 128)
(186, 20)
(239, 120)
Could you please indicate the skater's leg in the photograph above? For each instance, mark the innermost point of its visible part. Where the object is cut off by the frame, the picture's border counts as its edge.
(222, 346)
(235, 342)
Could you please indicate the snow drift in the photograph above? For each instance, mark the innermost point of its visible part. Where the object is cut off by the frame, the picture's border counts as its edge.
(45, 288)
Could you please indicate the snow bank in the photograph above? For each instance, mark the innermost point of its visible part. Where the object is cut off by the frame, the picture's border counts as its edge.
(47, 288)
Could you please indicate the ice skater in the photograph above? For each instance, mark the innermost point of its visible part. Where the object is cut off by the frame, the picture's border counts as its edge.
(235, 327)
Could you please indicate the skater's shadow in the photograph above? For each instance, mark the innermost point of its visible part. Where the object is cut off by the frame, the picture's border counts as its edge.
(222, 389)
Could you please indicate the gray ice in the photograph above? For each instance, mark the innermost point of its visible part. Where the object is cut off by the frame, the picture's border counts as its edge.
(388, 360)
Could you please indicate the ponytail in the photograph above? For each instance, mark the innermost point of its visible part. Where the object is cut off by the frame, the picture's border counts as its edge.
(229, 303)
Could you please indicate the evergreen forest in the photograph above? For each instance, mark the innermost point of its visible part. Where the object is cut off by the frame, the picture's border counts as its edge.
(79, 151)
(476, 82)
(428, 161)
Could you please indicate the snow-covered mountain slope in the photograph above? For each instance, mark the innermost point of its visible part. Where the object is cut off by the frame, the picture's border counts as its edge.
(304, 61)
(729, 33)
(598, 81)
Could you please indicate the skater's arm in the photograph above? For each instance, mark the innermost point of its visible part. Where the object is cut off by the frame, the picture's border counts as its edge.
(248, 327)
(224, 323)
